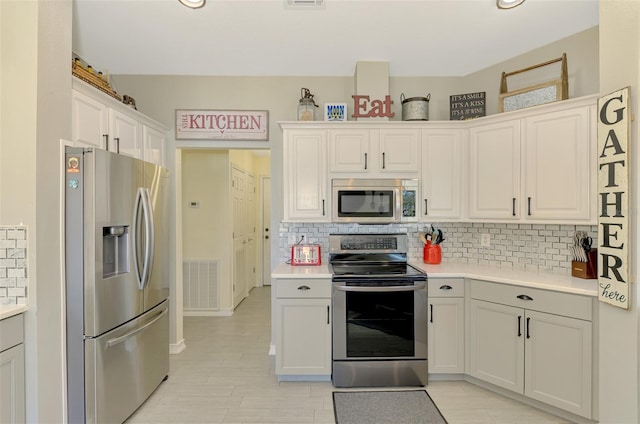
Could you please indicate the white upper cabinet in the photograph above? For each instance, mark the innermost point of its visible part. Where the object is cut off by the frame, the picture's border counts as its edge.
(442, 174)
(373, 152)
(89, 118)
(306, 183)
(494, 170)
(557, 175)
(125, 134)
(99, 120)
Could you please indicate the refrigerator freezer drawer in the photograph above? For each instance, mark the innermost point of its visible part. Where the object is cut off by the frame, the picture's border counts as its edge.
(124, 366)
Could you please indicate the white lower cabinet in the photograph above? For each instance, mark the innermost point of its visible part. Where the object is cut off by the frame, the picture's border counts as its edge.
(12, 391)
(533, 342)
(446, 326)
(303, 327)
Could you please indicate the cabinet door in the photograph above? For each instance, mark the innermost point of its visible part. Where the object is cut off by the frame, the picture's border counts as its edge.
(446, 335)
(349, 150)
(125, 134)
(557, 166)
(154, 145)
(305, 176)
(12, 392)
(496, 344)
(494, 171)
(89, 121)
(303, 338)
(558, 361)
(441, 174)
(399, 151)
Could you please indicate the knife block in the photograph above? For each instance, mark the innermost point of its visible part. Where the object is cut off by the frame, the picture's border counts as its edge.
(587, 270)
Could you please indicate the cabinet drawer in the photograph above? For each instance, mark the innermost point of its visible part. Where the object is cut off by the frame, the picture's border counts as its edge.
(11, 330)
(303, 288)
(558, 303)
(446, 287)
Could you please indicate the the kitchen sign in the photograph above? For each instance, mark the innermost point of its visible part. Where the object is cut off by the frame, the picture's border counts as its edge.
(222, 125)
(613, 198)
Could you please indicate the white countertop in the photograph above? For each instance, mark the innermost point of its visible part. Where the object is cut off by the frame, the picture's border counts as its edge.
(311, 271)
(7, 311)
(534, 279)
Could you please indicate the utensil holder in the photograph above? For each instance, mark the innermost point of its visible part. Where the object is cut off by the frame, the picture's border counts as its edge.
(432, 253)
(587, 270)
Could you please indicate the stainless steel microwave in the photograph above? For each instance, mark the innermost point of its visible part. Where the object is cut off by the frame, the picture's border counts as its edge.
(374, 201)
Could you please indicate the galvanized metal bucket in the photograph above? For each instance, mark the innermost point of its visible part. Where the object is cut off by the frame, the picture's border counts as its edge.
(415, 108)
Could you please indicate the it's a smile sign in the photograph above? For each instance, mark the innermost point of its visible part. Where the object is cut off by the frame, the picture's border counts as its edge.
(613, 198)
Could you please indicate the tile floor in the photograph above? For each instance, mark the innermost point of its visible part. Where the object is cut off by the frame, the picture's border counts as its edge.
(226, 376)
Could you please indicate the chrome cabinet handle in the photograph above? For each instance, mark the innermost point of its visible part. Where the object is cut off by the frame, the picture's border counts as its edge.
(446, 287)
(524, 297)
(304, 288)
(379, 289)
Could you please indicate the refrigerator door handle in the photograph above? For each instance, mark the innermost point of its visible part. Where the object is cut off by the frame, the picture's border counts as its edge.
(149, 248)
(132, 333)
(134, 238)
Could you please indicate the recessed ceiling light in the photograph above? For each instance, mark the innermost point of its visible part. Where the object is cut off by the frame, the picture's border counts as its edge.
(193, 4)
(508, 4)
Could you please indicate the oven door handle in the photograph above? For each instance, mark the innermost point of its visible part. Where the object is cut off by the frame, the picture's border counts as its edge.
(416, 287)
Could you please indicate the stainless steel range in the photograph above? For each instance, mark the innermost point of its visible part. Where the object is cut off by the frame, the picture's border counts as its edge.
(379, 312)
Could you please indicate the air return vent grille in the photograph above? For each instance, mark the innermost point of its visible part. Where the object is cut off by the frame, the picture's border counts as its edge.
(200, 284)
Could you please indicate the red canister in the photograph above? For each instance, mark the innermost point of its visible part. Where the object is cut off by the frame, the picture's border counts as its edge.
(432, 253)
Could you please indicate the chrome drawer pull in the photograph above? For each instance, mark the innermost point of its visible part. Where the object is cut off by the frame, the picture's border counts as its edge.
(304, 288)
(524, 297)
(446, 287)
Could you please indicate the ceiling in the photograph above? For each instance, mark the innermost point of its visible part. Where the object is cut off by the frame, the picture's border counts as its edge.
(263, 38)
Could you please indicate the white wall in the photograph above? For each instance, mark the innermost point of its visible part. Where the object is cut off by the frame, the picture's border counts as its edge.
(35, 99)
(619, 329)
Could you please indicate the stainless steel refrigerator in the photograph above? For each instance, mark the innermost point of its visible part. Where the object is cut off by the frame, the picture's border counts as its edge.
(117, 283)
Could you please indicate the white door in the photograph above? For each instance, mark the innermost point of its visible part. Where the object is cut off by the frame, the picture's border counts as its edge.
(252, 215)
(239, 235)
(266, 230)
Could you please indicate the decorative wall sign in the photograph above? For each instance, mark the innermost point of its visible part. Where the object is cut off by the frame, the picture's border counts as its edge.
(252, 125)
(363, 107)
(613, 198)
(335, 112)
(467, 106)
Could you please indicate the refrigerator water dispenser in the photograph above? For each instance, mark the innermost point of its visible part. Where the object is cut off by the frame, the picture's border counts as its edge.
(115, 250)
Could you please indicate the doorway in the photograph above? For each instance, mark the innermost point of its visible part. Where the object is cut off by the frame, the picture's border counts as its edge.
(222, 218)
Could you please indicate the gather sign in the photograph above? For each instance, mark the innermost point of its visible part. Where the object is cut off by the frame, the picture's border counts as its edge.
(613, 198)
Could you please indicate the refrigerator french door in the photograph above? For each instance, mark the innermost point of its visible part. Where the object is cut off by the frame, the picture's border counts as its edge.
(116, 283)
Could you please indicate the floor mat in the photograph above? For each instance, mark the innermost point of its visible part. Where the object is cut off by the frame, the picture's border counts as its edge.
(381, 407)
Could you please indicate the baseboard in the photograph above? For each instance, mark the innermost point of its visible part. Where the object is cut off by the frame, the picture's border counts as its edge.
(304, 378)
(176, 348)
(272, 349)
(220, 313)
(446, 377)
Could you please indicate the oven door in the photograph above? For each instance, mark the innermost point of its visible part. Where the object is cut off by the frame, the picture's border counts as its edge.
(382, 320)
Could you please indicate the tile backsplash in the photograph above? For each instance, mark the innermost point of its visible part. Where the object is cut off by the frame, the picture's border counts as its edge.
(544, 247)
(13, 264)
